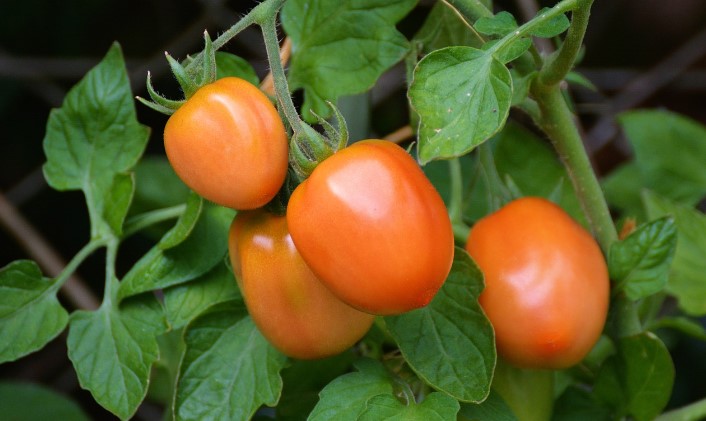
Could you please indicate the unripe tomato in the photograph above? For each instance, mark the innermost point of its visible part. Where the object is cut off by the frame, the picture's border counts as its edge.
(547, 287)
(295, 312)
(373, 228)
(228, 144)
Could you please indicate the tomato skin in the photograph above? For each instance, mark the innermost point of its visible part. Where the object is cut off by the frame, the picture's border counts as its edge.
(547, 286)
(373, 228)
(295, 312)
(228, 144)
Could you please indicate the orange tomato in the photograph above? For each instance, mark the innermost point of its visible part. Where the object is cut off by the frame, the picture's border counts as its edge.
(228, 144)
(547, 286)
(373, 228)
(295, 312)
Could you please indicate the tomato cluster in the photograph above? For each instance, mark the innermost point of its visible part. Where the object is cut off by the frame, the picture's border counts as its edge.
(367, 234)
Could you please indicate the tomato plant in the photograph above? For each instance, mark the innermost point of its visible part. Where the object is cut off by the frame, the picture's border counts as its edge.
(546, 283)
(228, 144)
(233, 276)
(289, 305)
(373, 228)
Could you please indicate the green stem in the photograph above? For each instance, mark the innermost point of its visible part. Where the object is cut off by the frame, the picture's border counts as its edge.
(561, 8)
(71, 267)
(561, 62)
(558, 123)
(110, 293)
(459, 227)
(142, 221)
(624, 319)
(692, 412)
(266, 7)
(269, 33)
(456, 199)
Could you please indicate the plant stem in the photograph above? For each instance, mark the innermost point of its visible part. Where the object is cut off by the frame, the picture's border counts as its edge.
(558, 123)
(147, 219)
(110, 293)
(76, 261)
(561, 62)
(264, 8)
(269, 33)
(459, 227)
(456, 198)
(561, 8)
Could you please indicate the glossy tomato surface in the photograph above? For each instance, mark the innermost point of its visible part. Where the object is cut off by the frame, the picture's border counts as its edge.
(228, 144)
(547, 287)
(373, 228)
(295, 312)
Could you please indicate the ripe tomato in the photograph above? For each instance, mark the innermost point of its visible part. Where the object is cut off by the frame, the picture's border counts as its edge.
(292, 309)
(547, 287)
(228, 144)
(373, 228)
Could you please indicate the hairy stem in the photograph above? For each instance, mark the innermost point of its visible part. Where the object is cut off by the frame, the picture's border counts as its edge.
(561, 62)
(269, 33)
(558, 123)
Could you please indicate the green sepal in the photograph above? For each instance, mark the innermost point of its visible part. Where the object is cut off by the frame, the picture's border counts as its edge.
(208, 72)
(185, 82)
(307, 148)
(336, 137)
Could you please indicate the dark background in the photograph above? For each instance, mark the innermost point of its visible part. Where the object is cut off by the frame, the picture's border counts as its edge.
(640, 53)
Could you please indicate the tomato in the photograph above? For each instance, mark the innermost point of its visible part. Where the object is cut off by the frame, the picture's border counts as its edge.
(295, 312)
(547, 287)
(372, 227)
(228, 144)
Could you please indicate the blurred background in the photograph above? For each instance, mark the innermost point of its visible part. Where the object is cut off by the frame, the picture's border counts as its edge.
(639, 54)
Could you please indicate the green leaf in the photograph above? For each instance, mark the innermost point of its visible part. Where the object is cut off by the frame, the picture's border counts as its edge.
(186, 301)
(113, 350)
(534, 167)
(686, 279)
(341, 48)
(622, 190)
(577, 404)
(443, 28)
(670, 151)
(31, 402)
(462, 96)
(638, 380)
(450, 342)
(344, 399)
(639, 264)
(202, 250)
(304, 379)
(552, 27)
(157, 185)
(228, 64)
(493, 408)
(186, 223)
(229, 370)
(501, 24)
(435, 407)
(30, 314)
(94, 139)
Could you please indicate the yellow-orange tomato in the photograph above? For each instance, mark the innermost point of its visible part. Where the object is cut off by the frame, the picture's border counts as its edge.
(373, 228)
(547, 287)
(293, 310)
(228, 144)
